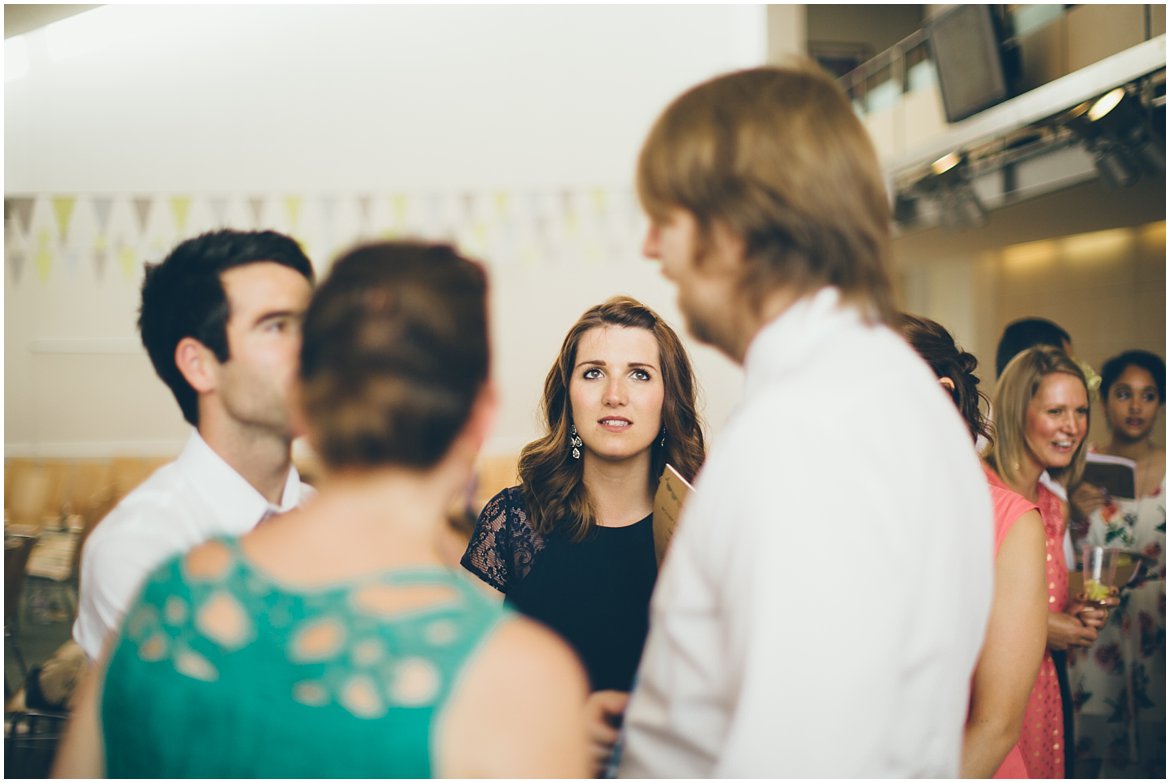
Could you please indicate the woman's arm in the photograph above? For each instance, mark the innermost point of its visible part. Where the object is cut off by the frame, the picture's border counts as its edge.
(1012, 650)
(81, 753)
(517, 712)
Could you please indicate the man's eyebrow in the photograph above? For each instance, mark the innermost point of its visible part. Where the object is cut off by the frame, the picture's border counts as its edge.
(269, 315)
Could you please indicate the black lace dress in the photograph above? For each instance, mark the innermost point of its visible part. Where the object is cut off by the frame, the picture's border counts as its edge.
(594, 593)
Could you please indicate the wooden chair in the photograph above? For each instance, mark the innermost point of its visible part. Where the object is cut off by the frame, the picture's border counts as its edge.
(16, 552)
(30, 742)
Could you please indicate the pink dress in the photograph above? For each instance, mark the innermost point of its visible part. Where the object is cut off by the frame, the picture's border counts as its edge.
(1042, 737)
(1008, 507)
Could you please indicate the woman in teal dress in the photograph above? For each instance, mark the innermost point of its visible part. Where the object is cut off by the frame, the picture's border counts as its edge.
(336, 641)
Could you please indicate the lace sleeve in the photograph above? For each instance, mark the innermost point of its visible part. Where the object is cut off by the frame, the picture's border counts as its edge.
(503, 543)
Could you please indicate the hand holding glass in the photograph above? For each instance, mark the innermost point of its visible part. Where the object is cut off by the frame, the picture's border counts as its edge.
(1099, 564)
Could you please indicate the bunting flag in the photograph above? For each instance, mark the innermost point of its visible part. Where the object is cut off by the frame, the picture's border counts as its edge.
(68, 234)
(181, 208)
(142, 211)
(43, 253)
(218, 206)
(293, 204)
(127, 261)
(15, 246)
(21, 209)
(256, 205)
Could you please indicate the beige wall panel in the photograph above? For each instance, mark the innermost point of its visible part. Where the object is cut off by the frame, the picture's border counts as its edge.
(1044, 54)
(1157, 19)
(1096, 31)
(923, 118)
(883, 130)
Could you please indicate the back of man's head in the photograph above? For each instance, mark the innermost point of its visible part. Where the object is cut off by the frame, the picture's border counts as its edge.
(778, 156)
(183, 296)
(1027, 333)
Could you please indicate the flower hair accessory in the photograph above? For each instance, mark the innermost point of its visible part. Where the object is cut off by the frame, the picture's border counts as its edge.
(1092, 379)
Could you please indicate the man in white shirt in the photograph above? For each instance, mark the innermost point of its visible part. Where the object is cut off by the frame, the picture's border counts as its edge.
(220, 319)
(823, 603)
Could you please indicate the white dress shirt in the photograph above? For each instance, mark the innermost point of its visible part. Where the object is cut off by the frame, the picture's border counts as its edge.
(824, 600)
(191, 500)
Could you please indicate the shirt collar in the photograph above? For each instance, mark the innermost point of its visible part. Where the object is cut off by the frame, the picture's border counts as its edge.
(227, 491)
(791, 340)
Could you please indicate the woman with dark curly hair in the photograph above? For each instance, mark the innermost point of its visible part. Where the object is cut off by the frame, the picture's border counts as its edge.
(1014, 645)
(572, 545)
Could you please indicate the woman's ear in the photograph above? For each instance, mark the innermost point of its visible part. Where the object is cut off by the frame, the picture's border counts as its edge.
(197, 364)
(947, 384)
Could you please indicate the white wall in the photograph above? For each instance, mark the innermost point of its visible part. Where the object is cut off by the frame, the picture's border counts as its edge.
(238, 102)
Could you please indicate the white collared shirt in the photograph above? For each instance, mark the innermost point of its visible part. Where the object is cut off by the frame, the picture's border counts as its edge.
(191, 500)
(824, 600)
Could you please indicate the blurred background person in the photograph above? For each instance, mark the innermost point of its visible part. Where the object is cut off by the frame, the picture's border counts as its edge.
(335, 641)
(1041, 407)
(572, 546)
(1016, 633)
(1119, 684)
(1025, 333)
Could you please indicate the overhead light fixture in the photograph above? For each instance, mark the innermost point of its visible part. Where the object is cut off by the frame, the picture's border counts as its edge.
(948, 182)
(1116, 129)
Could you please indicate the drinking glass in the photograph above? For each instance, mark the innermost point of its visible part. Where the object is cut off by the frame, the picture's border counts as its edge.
(1099, 566)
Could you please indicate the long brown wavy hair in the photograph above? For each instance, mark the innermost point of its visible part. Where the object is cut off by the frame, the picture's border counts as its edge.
(552, 481)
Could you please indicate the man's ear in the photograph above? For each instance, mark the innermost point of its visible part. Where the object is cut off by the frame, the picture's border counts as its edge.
(725, 248)
(197, 364)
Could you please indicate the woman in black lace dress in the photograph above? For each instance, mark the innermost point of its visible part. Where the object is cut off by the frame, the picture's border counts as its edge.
(572, 545)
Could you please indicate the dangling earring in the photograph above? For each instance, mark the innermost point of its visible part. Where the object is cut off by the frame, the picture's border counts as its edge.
(662, 442)
(575, 442)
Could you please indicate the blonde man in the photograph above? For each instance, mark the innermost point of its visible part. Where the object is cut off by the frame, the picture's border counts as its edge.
(824, 600)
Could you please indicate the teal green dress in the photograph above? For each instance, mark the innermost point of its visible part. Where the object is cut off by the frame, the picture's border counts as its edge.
(240, 676)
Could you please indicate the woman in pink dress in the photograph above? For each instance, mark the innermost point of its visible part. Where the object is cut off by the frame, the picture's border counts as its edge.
(1042, 416)
(1014, 646)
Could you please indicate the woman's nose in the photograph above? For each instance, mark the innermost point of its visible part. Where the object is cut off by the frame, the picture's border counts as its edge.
(615, 393)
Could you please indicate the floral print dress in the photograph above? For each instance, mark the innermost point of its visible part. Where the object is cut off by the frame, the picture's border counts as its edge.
(1119, 684)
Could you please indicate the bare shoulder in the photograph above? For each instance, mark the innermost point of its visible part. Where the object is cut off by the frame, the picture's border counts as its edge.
(208, 560)
(517, 710)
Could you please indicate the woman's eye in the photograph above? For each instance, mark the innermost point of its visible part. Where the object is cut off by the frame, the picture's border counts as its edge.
(641, 375)
(592, 373)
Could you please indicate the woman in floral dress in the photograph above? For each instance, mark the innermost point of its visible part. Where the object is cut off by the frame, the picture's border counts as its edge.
(1119, 684)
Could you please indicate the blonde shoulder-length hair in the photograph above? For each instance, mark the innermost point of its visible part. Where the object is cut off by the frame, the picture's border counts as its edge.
(1014, 391)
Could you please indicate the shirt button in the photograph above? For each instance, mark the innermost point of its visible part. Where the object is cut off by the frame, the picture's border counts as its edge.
(1051, 599)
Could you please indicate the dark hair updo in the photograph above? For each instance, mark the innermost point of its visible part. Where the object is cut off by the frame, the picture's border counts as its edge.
(395, 352)
(935, 344)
